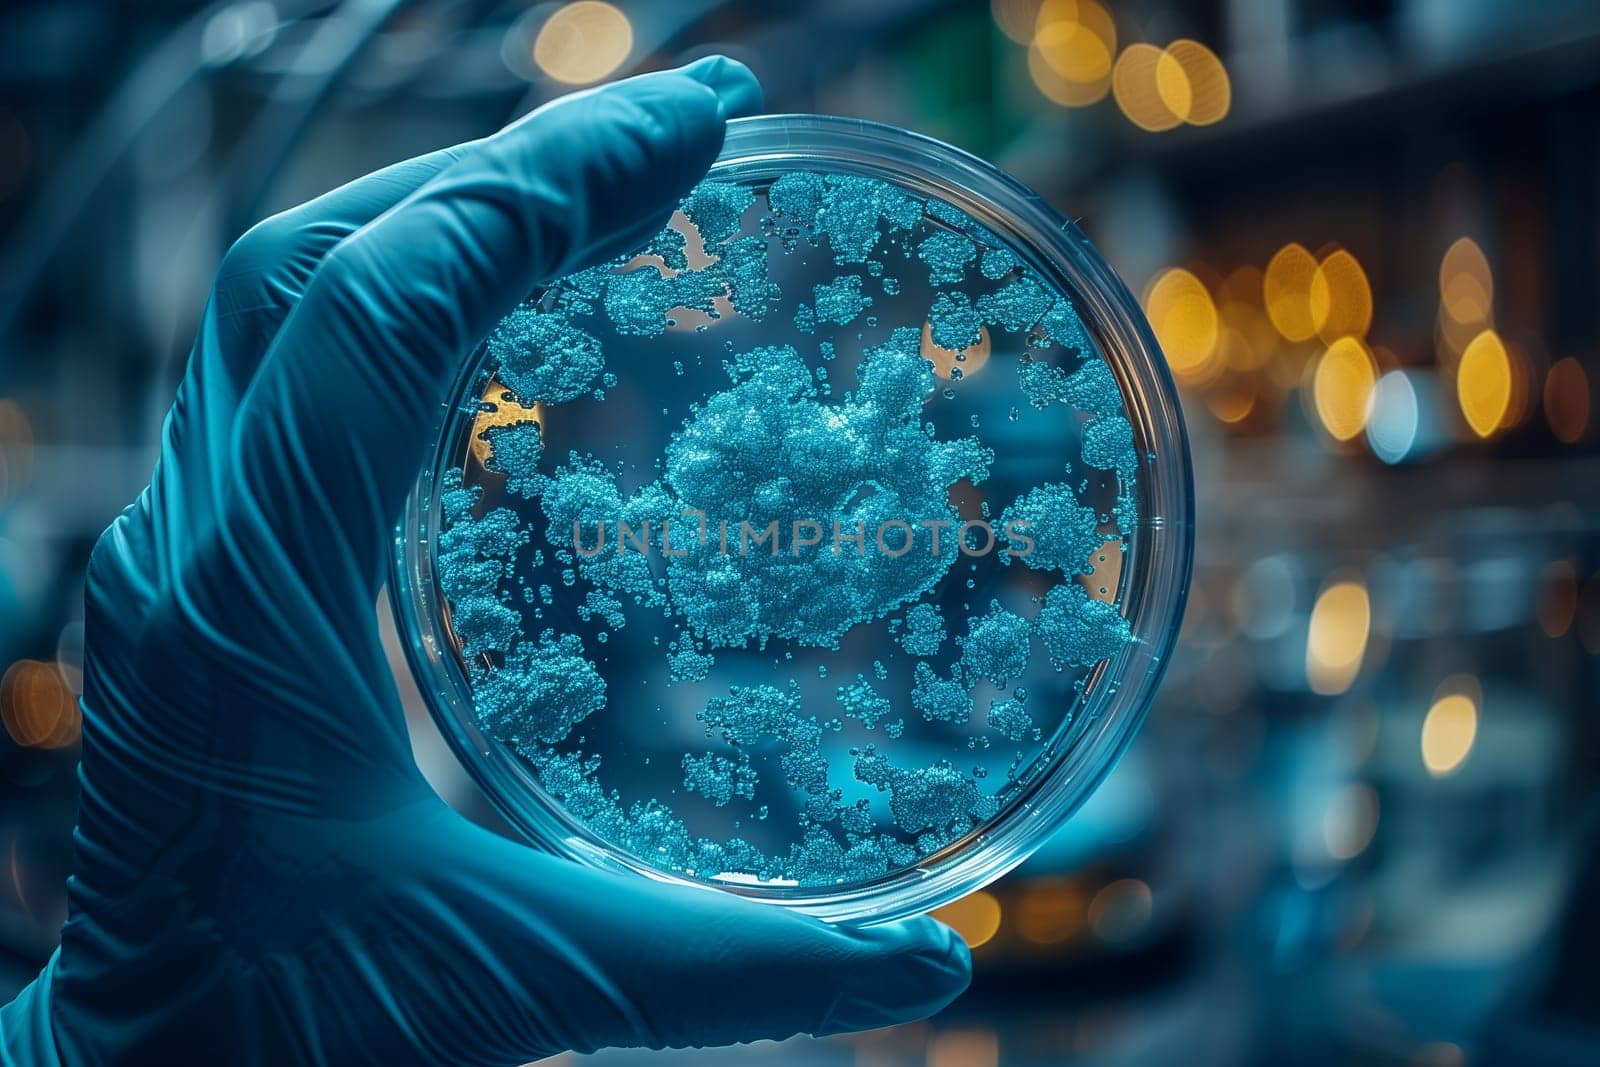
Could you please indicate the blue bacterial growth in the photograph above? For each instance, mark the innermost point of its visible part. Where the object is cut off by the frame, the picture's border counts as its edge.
(731, 562)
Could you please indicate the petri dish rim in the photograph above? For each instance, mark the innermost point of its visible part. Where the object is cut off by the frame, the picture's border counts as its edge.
(1155, 576)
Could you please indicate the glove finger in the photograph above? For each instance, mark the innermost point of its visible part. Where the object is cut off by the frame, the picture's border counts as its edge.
(262, 277)
(267, 270)
(148, 547)
(337, 422)
(565, 957)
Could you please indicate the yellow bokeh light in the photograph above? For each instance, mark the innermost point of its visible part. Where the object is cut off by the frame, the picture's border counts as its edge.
(1483, 383)
(1566, 400)
(1069, 57)
(1193, 84)
(1016, 18)
(1342, 388)
(1286, 292)
(1340, 298)
(1337, 639)
(976, 917)
(1185, 321)
(1049, 11)
(1080, 47)
(1172, 85)
(1059, 90)
(1135, 84)
(1466, 286)
(1448, 733)
(583, 42)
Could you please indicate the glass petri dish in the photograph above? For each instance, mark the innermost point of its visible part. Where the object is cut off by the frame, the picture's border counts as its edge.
(828, 551)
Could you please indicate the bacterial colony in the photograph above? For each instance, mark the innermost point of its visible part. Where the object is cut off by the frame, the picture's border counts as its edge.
(782, 551)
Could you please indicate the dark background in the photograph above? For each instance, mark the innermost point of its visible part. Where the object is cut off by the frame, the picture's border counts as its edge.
(1356, 826)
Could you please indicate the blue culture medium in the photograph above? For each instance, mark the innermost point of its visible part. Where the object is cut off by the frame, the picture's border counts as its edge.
(783, 554)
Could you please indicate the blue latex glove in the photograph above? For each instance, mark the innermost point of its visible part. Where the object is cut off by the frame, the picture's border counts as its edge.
(262, 875)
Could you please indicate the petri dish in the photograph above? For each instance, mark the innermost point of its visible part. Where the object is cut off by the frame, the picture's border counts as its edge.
(827, 551)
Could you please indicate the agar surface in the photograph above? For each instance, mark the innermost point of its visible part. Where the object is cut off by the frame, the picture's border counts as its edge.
(825, 630)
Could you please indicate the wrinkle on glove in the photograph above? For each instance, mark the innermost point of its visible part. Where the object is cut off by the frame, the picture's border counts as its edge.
(261, 875)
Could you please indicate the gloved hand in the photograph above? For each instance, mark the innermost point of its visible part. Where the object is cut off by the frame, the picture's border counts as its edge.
(262, 875)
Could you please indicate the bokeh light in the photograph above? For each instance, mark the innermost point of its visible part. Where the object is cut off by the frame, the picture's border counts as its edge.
(37, 708)
(1121, 911)
(1466, 299)
(1233, 401)
(1336, 641)
(1527, 378)
(1269, 596)
(1059, 90)
(1050, 912)
(1135, 85)
(1448, 732)
(1466, 286)
(964, 1048)
(1350, 821)
(1483, 383)
(1070, 55)
(1239, 306)
(1396, 418)
(69, 655)
(1185, 321)
(1566, 400)
(1078, 47)
(976, 917)
(237, 30)
(1343, 386)
(1286, 292)
(1558, 598)
(1016, 18)
(1340, 298)
(583, 42)
(1192, 83)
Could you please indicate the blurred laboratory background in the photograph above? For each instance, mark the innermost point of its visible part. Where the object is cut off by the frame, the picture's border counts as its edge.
(1360, 825)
